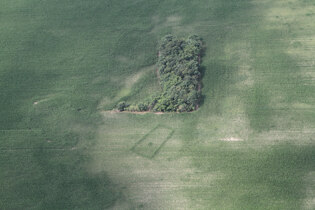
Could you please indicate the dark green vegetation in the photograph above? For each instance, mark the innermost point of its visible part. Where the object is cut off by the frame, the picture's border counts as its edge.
(178, 68)
(179, 75)
(63, 61)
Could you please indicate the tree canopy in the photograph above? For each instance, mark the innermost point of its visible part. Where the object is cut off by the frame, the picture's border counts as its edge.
(179, 73)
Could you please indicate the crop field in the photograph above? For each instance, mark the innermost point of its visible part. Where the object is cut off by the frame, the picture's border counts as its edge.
(151, 143)
(65, 64)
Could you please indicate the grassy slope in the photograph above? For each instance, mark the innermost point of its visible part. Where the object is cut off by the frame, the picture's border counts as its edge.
(75, 57)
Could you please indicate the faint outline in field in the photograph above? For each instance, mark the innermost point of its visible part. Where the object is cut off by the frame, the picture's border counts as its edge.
(151, 155)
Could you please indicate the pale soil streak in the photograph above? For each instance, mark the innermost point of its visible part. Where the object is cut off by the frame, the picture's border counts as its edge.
(231, 139)
(47, 98)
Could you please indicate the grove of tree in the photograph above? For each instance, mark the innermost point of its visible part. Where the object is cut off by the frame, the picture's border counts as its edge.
(179, 74)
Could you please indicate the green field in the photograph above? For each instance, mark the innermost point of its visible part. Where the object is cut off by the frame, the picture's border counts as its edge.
(65, 63)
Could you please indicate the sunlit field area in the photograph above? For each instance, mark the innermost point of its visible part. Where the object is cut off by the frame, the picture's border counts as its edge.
(65, 64)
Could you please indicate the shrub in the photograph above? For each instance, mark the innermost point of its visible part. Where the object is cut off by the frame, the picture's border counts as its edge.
(132, 108)
(142, 107)
(121, 106)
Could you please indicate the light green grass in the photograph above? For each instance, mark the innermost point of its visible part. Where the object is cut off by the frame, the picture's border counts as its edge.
(76, 58)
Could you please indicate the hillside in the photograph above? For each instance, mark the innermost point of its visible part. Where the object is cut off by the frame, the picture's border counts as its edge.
(250, 145)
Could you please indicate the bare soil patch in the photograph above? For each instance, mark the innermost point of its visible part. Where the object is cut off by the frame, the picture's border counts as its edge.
(158, 112)
(231, 139)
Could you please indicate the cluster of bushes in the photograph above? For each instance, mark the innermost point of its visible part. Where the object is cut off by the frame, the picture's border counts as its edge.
(140, 107)
(178, 68)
